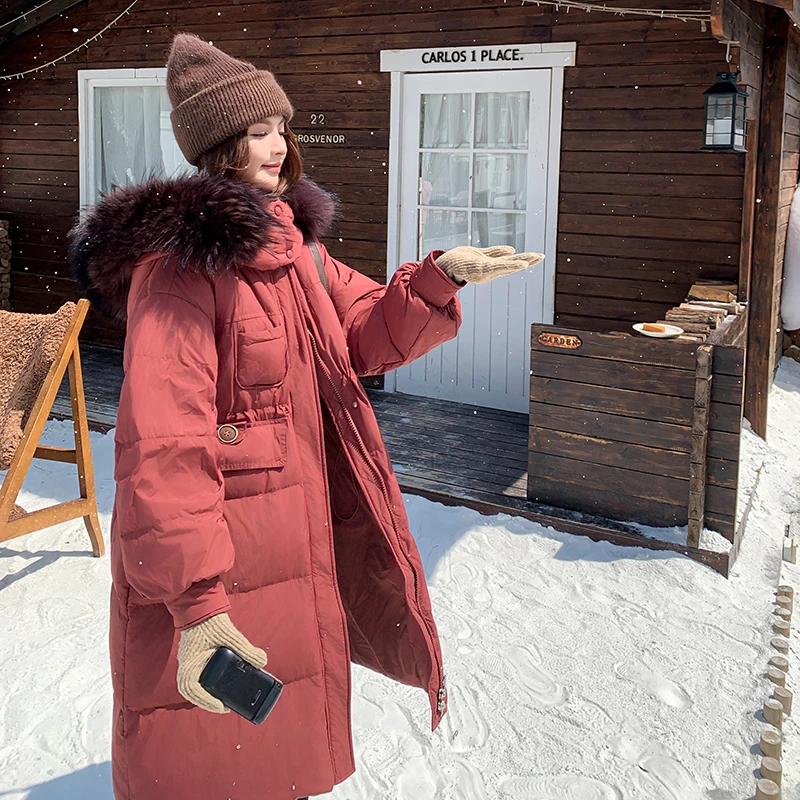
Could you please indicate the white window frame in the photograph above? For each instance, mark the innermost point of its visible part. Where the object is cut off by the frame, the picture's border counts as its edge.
(88, 81)
(555, 56)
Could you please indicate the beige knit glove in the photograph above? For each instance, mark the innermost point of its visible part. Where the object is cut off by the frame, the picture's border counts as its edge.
(484, 264)
(198, 644)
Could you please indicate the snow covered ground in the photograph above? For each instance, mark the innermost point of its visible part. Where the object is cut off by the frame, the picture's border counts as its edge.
(577, 670)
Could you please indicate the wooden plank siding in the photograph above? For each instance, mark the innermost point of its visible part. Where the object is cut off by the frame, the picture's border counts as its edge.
(611, 426)
(642, 211)
(742, 21)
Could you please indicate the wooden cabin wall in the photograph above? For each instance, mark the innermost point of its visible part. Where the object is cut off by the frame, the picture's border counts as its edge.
(742, 21)
(643, 211)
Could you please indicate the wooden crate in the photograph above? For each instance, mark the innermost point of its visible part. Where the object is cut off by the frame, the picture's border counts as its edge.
(639, 429)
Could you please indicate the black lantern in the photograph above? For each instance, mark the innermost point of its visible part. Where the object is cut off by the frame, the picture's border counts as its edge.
(726, 110)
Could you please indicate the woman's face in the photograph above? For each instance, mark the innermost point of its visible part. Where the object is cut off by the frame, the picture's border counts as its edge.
(267, 152)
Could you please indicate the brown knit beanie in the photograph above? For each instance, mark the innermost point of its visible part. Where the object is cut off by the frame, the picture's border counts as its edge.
(215, 96)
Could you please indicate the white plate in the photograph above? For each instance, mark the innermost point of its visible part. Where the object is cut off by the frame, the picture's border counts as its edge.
(669, 333)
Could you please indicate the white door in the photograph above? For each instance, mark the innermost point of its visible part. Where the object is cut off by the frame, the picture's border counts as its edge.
(474, 170)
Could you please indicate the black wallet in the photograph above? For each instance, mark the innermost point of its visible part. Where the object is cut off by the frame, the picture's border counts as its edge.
(250, 692)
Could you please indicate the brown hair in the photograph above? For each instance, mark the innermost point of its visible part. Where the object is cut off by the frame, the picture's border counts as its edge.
(232, 156)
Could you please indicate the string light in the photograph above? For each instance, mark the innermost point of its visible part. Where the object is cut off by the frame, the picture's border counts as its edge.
(74, 49)
(25, 14)
(695, 15)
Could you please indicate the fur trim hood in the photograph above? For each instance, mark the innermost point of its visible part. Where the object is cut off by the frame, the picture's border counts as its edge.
(208, 223)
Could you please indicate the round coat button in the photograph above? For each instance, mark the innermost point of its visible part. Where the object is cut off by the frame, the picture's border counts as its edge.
(290, 253)
(278, 210)
(227, 433)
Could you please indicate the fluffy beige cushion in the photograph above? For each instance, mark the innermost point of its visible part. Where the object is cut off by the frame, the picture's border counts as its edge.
(28, 346)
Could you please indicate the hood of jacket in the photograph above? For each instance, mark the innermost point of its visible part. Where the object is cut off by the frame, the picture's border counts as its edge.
(206, 223)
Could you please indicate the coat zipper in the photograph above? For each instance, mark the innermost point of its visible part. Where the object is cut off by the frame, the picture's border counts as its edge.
(442, 693)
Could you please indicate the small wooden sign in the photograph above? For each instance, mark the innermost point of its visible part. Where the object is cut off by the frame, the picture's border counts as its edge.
(321, 137)
(559, 340)
(527, 55)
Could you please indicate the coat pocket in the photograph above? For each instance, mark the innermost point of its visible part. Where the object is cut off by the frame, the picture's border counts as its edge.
(260, 445)
(261, 357)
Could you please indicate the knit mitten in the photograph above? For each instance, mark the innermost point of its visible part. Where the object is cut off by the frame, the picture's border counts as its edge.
(198, 644)
(484, 264)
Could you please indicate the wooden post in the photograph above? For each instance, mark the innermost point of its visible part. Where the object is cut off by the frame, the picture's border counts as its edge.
(784, 697)
(783, 614)
(777, 676)
(771, 769)
(772, 744)
(763, 278)
(781, 627)
(773, 713)
(767, 790)
(780, 662)
(748, 209)
(784, 602)
(697, 466)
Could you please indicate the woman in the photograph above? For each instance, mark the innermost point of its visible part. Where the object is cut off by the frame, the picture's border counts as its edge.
(256, 507)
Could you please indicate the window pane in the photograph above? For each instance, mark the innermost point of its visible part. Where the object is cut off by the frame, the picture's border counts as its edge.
(489, 229)
(501, 120)
(721, 105)
(133, 136)
(444, 179)
(720, 119)
(445, 120)
(722, 132)
(499, 181)
(441, 230)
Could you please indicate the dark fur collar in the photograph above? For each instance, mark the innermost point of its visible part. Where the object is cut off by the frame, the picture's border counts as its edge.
(206, 223)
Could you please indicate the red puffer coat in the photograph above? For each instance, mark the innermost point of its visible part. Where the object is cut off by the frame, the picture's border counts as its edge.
(252, 478)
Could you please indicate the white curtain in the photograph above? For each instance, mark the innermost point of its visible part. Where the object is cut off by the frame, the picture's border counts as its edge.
(501, 120)
(445, 120)
(133, 137)
(449, 124)
(445, 124)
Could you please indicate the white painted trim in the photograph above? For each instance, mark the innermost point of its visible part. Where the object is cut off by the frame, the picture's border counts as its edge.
(85, 139)
(152, 72)
(95, 74)
(560, 47)
(393, 217)
(461, 59)
(88, 81)
(98, 76)
(553, 183)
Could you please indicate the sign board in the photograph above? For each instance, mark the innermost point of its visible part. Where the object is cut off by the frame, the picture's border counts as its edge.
(559, 340)
(321, 137)
(480, 57)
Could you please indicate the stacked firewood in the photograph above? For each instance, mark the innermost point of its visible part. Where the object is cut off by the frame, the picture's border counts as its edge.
(5, 266)
(704, 309)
